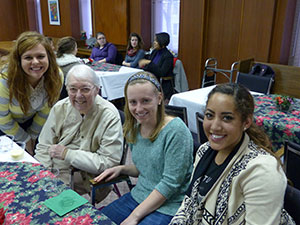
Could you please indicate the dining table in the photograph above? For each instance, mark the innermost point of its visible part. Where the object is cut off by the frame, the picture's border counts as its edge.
(113, 78)
(280, 125)
(23, 199)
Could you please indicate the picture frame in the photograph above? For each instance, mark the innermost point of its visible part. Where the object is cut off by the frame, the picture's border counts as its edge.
(53, 10)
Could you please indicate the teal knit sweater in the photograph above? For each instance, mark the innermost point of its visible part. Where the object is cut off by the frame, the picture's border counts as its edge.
(164, 165)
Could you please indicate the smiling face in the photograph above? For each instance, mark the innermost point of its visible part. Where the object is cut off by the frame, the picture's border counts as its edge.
(143, 101)
(81, 93)
(134, 41)
(35, 63)
(222, 124)
(101, 40)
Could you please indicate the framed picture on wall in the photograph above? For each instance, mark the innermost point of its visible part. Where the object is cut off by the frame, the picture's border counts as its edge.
(53, 9)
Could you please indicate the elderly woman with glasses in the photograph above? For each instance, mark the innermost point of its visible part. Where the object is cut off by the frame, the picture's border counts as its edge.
(83, 131)
(103, 50)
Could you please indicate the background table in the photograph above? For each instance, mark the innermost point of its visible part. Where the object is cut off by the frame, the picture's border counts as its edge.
(279, 125)
(23, 197)
(113, 79)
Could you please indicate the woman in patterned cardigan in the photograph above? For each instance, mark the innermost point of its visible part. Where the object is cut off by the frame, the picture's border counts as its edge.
(236, 178)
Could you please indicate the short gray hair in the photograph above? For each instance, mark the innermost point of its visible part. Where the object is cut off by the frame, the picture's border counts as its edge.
(84, 72)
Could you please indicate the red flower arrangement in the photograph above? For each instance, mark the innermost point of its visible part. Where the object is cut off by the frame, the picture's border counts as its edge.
(284, 102)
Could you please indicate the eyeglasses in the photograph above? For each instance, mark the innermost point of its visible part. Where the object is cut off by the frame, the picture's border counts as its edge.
(101, 38)
(83, 90)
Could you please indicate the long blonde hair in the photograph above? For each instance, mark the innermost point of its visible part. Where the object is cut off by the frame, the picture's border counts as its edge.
(17, 79)
(130, 127)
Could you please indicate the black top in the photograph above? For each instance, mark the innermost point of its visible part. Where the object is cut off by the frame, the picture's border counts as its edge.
(209, 171)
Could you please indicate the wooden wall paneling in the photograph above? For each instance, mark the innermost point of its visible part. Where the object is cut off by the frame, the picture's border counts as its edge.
(191, 32)
(69, 19)
(140, 19)
(222, 33)
(111, 17)
(9, 22)
(256, 29)
(31, 14)
(282, 31)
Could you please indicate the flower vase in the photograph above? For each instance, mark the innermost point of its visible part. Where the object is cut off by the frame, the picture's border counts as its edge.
(284, 108)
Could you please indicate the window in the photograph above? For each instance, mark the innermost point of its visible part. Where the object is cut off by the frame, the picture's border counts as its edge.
(165, 18)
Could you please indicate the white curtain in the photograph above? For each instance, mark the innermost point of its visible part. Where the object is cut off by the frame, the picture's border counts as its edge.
(165, 18)
(85, 17)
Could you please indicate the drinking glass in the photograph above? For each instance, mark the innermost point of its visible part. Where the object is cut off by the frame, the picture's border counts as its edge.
(6, 144)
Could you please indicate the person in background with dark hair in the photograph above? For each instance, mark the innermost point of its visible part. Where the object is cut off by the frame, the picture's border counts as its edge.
(161, 149)
(103, 50)
(51, 43)
(135, 51)
(29, 87)
(236, 178)
(66, 58)
(160, 62)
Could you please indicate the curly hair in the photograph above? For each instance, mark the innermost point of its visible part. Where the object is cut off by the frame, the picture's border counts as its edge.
(130, 127)
(17, 79)
(65, 45)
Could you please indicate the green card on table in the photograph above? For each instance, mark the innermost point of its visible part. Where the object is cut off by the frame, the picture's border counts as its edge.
(65, 202)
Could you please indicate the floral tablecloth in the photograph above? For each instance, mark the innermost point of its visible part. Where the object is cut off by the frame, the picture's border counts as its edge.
(279, 125)
(100, 66)
(22, 195)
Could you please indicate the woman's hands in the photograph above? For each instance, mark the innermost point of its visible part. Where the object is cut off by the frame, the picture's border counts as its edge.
(130, 220)
(144, 62)
(125, 64)
(109, 174)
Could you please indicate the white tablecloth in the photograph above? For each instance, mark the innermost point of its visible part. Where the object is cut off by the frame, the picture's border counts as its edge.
(113, 83)
(194, 101)
(5, 156)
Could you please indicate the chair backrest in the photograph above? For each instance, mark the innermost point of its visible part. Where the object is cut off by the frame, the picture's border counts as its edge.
(200, 132)
(178, 111)
(292, 163)
(254, 82)
(292, 202)
(125, 144)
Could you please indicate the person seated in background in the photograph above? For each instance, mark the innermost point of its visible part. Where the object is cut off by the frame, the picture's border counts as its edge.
(3, 57)
(161, 147)
(236, 178)
(82, 131)
(104, 51)
(160, 62)
(29, 86)
(66, 58)
(135, 51)
(51, 43)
